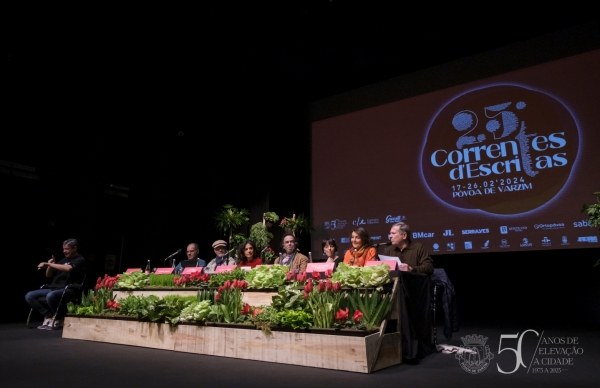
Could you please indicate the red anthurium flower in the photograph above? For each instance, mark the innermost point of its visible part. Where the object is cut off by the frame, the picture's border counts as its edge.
(328, 273)
(341, 315)
(357, 316)
(316, 275)
(321, 286)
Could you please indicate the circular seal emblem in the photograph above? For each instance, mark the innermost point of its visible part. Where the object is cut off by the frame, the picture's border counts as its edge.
(478, 355)
(501, 149)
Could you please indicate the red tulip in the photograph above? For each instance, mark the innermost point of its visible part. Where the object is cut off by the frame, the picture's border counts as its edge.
(328, 285)
(328, 273)
(227, 285)
(308, 287)
(316, 275)
(301, 277)
(305, 294)
(337, 287)
(245, 309)
(290, 276)
(357, 316)
(217, 297)
(321, 286)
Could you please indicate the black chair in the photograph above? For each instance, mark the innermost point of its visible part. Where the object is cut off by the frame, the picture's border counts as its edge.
(443, 294)
(73, 298)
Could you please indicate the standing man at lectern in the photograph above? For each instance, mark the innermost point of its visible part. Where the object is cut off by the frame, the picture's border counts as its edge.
(412, 254)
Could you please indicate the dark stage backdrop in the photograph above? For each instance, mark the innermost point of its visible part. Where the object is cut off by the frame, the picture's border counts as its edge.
(503, 163)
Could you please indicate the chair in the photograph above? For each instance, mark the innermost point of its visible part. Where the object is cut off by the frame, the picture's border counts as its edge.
(442, 286)
(76, 286)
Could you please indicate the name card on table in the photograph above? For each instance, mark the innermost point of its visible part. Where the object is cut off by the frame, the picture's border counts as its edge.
(390, 259)
(191, 270)
(130, 270)
(225, 268)
(319, 267)
(163, 271)
(246, 268)
(392, 264)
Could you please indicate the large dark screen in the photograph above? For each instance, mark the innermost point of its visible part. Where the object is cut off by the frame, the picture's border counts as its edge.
(501, 164)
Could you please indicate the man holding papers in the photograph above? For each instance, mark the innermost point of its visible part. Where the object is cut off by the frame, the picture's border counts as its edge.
(412, 254)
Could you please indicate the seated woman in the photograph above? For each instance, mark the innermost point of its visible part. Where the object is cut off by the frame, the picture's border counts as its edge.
(330, 248)
(248, 255)
(361, 250)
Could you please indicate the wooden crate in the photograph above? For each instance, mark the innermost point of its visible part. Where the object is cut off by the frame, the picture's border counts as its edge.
(355, 354)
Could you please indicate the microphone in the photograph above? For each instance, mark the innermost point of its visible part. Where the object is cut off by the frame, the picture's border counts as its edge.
(382, 244)
(172, 255)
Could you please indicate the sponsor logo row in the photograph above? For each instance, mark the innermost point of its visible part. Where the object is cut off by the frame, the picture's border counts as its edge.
(504, 243)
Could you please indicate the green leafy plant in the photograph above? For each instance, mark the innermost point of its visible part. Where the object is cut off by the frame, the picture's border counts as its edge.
(324, 300)
(593, 212)
(163, 280)
(354, 277)
(347, 275)
(269, 256)
(133, 280)
(266, 277)
(297, 224)
(264, 318)
(374, 306)
(271, 217)
(230, 218)
(196, 311)
(228, 305)
(154, 309)
(260, 236)
(296, 319)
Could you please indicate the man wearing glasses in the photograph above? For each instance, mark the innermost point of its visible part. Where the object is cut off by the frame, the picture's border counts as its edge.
(412, 254)
(220, 248)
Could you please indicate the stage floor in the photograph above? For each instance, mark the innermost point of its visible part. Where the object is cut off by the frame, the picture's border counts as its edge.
(564, 357)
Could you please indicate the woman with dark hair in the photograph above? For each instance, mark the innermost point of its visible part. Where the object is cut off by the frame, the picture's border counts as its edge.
(248, 255)
(330, 248)
(361, 250)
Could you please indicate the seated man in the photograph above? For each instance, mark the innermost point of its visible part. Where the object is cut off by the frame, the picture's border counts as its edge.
(220, 248)
(412, 254)
(192, 254)
(296, 260)
(67, 271)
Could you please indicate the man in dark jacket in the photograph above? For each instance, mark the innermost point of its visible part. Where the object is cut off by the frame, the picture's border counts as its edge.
(69, 270)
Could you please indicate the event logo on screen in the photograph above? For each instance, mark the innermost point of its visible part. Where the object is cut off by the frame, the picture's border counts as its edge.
(500, 149)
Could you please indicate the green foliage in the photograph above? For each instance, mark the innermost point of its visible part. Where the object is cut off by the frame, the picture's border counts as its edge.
(374, 305)
(271, 217)
(353, 276)
(266, 277)
(230, 218)
(265, 317)
(218, 279)
(296, 319)
(152, 308)
(93, 303)
(133, 280)
(196, 311)
(208, 295)
(164, 280)
(593, 212)
(236, 240)
(289, 298)
(298, 224)
(260, 236)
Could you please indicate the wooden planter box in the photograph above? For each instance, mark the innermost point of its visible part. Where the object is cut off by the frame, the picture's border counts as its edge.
(355, 354)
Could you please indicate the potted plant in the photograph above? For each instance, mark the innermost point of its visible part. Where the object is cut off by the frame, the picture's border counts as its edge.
(260, 236)
(295, 224)
(230, 218)
(270, 218)
(593, 212)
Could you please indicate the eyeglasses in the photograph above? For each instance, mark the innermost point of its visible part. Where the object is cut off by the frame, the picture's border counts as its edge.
(220, 249)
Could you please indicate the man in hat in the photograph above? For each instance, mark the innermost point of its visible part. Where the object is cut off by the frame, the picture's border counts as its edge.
(220, 248)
